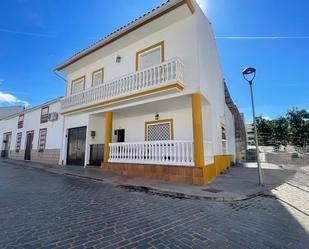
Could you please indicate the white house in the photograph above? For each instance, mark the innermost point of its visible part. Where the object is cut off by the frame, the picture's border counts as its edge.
(34, 134)
(150, 97)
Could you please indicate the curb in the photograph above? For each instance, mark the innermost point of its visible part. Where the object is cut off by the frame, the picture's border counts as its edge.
(179, 195)
(144, 189)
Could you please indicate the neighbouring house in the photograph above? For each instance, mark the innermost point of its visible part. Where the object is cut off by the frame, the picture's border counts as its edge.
(150, 98)
(250, 134)
(6, 111)
(33, 134)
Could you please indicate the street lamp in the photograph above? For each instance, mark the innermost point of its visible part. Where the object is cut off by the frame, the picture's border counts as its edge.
(249, 75)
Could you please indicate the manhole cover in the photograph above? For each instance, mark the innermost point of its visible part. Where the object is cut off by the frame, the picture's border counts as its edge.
(212, 190)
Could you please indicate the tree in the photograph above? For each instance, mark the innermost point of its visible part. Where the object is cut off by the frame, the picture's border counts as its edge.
(265, 130)
(299, 127)
(280, 131)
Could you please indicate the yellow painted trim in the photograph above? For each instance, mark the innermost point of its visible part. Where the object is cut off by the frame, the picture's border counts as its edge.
(162, 121)
(108, 134)
(198, 140)
(220, 165)
(145, 50)
(176, 86)
(190, 6)
(73, 81)
(101, 70)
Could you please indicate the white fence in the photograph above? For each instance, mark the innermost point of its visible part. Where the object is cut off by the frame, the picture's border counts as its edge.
(153, 152)
(162, 74)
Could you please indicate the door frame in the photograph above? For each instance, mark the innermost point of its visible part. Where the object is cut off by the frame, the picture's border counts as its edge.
(68, 144)
(31, 145)
(6, 146)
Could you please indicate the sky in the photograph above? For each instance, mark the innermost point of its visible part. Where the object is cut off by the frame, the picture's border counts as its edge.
(270, 35)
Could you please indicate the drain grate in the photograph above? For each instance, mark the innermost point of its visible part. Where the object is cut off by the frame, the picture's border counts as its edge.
(212, 190)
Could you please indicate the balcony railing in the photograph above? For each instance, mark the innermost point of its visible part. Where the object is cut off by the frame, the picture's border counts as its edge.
(153, 152)
(167, 72)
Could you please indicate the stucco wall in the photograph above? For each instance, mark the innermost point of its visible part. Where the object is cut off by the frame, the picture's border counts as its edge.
(177, 36)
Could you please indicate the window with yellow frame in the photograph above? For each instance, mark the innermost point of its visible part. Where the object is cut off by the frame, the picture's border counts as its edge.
(159, 130)
(150, 56)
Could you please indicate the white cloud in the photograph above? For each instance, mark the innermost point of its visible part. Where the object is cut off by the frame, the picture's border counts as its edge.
(202, 4)
(51, 35)
(6, 98)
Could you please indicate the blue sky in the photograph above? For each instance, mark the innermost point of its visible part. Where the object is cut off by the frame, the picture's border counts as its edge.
(271, 35)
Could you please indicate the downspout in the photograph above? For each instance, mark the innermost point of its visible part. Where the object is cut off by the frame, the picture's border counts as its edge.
(63, 135)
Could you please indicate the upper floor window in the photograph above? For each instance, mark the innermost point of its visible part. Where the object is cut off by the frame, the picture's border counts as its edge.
(98, 77)
(42, 140)
(44, 114)
(18, 141)
(78, 85)
(150, 56)
(20, 121)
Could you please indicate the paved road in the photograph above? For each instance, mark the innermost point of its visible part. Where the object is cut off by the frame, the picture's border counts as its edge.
(43, 210)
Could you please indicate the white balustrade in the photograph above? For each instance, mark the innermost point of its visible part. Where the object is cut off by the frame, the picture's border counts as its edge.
(162, 74)
(153, 152)
(208, 152)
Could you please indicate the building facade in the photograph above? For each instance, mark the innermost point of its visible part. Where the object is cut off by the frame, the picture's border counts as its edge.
(34, 134)
(148, 100)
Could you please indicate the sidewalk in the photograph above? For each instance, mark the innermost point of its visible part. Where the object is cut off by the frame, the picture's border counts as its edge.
(238, 183)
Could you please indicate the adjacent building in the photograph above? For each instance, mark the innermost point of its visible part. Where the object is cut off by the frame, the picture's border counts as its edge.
(147, 100)
(33, 134)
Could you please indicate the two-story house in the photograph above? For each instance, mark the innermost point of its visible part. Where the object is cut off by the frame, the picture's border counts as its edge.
(150, 100)
(33, 134)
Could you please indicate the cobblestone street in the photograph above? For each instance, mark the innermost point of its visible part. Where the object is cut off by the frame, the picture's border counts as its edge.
(45, 210)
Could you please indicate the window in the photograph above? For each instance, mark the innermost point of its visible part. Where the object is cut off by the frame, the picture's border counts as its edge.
(20, 121)
(224, 141)
(78, 85)
(97, 77)
(150, 56)
(159, 130)
(18, 141)
(42, 140)
(44, 114)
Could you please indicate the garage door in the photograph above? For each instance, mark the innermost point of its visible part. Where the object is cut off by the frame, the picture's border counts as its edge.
(76, 146)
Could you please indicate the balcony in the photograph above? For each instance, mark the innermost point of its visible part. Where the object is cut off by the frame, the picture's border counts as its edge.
(173, 152)
(164, 76)
(153, 152)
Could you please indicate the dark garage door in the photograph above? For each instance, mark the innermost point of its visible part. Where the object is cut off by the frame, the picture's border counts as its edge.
(76, 146)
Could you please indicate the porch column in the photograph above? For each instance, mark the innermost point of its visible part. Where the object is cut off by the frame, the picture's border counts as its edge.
(108, 134)
(198, 140)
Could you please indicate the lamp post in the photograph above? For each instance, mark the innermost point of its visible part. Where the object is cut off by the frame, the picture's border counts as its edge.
(249, 75)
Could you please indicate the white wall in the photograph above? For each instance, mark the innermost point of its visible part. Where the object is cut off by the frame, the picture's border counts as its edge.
(212, 86)
(135, 125)
(176, 36)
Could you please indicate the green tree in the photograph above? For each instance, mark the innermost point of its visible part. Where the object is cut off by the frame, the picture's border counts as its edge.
(280, 131)
(265, 130)
(299, 127)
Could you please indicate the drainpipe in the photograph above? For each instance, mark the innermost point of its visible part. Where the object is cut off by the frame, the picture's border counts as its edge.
(63, 135)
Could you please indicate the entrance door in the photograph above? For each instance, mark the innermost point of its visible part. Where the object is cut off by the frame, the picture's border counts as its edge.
(76, 146)
(29, 140)
(6, 145)
(121, 136)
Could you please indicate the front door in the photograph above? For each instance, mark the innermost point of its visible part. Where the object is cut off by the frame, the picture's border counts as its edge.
(29, 140)
(6, 145)
(121, 136)
(76, 146)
